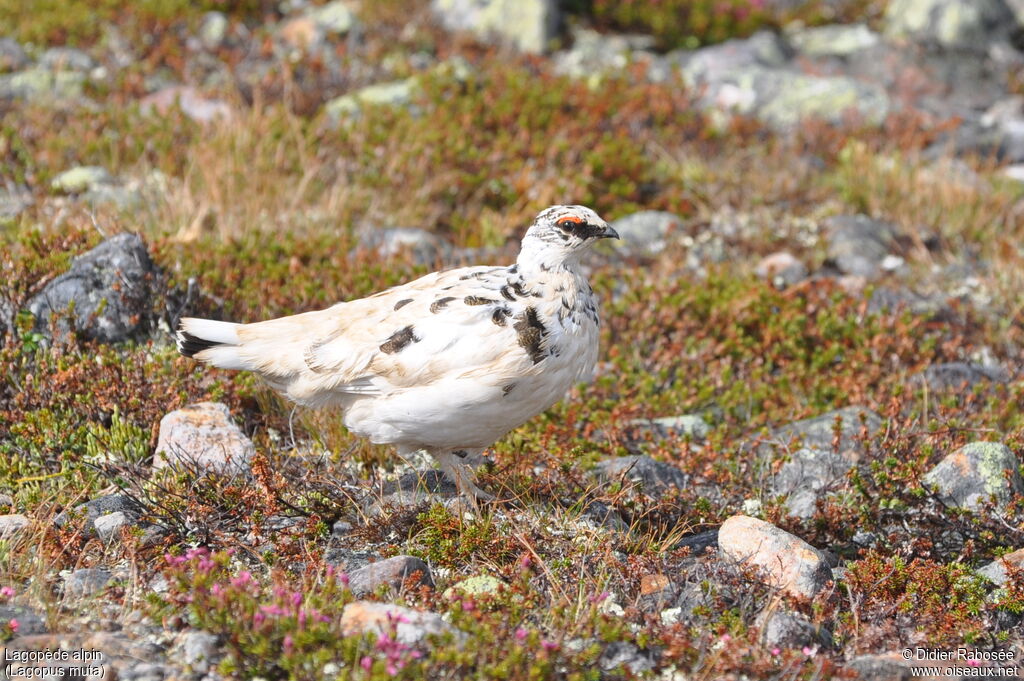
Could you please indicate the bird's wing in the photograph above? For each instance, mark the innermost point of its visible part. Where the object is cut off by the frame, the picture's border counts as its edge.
(454, 324)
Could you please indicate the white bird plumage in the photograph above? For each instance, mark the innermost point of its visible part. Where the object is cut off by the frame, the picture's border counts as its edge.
(447, 363)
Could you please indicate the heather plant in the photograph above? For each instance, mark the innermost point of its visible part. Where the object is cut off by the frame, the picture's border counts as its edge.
(269, 629)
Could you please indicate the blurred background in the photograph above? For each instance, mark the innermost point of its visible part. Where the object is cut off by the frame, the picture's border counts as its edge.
(814, 317)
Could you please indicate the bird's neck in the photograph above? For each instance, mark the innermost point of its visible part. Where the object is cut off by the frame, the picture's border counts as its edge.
(562, 282)
(539, 265)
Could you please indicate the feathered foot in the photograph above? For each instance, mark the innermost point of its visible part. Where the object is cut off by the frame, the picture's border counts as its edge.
(455, 466)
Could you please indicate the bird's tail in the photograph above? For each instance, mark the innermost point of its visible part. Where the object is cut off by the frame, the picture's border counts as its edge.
(212, 342)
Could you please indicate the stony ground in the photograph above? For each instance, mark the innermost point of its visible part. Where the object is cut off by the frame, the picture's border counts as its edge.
(801, 454)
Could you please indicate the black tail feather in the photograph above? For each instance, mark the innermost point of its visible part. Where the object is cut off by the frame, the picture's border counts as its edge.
(189, 345)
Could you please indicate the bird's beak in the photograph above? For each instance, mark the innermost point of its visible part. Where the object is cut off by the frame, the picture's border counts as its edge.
(608, 233)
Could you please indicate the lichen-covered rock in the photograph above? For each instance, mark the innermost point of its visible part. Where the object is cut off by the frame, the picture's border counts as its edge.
(781, 269)
(334, 18)
(809, 474)
(67, 58)
(625, 655)
(41, 84)
(858, 244)
(425, 247)
(213, 30)
(785, 98)
(12, 524)
(392, 572)
(12, 56)
(411, 627)
(647, 232)
(959, 375)
(13, 202)
(92, 510)
(788, 562)
(886, 299)
(889, 666)
(787, 629)
(698, 543)
(970, 24)
(191, 102)
(755, 77)
(348, 560)
(997, 572)
(653, 477)
(820, 431)
(29, 621)
(640, 434)
(396, 94)
(86, 582)
(835, 40)
(199, 650)
(477, 585)
(108, 527)
(81, 178)
(529, 25)
(594, 54)
(710, 64)
(203, 435)
(972, 474)
(110, 288)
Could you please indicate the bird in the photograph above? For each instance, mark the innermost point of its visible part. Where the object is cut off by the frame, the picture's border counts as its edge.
(448, 363)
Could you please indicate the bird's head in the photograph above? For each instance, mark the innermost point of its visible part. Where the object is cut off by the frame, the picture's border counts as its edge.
(560, 234)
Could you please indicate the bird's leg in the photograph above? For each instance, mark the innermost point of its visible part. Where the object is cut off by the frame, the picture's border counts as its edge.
(461, 474)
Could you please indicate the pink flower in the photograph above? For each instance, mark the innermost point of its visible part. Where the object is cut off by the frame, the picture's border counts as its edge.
(726, 638)
(174, 561)
(366, 662)
(548, 645)
(343, 578)
(398, 618)
(6, 592)
(974, 663)
(521, 634)
(243, 578)
(13, 625)
(775, 651)
(258, 618)
(599, 598)
(288, 643)
(808, 651)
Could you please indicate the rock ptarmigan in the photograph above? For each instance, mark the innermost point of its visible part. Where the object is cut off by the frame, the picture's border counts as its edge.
(447, 363)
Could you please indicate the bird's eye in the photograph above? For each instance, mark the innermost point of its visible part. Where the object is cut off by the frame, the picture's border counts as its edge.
(569, 224)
